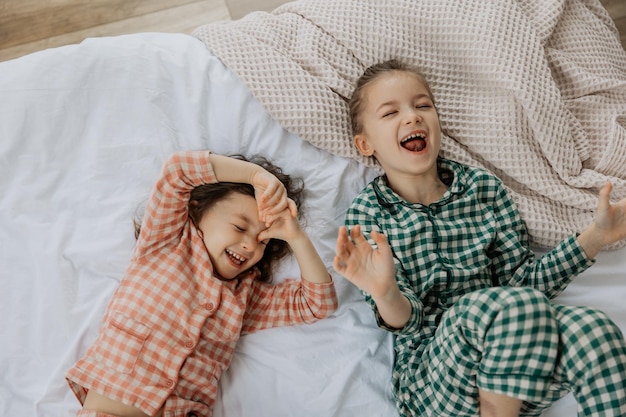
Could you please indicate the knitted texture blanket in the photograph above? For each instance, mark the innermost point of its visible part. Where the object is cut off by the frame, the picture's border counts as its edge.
(534, 91)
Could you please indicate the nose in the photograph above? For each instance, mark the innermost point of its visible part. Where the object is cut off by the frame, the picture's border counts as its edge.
(412, 115)
(249, 243)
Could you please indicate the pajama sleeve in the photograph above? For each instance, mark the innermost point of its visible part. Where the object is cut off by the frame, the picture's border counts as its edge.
(515, 264)
(166, 210)
(289, 302)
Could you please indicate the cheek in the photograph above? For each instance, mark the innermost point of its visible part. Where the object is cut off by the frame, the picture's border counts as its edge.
(259, 253)
(209, 249)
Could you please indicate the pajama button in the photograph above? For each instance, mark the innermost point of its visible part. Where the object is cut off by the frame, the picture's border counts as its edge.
(189, 344)
(209, 306)
(169, 383)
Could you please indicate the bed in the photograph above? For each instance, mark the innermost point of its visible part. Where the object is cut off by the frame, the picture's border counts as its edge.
(85, 129)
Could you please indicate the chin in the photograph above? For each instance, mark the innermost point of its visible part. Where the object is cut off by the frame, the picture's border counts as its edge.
(225, 277)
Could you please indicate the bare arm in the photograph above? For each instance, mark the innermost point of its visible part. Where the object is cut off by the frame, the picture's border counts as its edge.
(285, 226)
(311, 265)
(233, 170)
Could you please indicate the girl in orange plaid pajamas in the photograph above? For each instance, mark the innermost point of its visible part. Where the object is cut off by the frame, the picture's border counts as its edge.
(213, 227)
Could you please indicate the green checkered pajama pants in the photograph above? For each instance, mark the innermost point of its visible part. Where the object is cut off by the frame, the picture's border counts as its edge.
(515, 342)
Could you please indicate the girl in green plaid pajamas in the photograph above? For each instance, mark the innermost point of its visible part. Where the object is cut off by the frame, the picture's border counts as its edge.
(443, 258)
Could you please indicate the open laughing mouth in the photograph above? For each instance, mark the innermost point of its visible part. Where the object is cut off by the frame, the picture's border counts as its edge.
(235, 258)
(415, 142)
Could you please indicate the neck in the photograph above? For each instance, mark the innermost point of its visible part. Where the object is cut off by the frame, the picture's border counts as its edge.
(425, 189)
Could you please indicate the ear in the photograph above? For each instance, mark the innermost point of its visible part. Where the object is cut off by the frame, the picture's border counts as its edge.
(362, 145)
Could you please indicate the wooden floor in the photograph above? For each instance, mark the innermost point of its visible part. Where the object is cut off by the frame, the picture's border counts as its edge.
(31, 25)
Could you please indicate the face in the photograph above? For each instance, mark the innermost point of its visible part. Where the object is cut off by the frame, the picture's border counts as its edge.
(400, 125)
(230, 229)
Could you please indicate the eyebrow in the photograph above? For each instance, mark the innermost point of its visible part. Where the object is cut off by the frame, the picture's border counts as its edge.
(243, 217)
(391, 102)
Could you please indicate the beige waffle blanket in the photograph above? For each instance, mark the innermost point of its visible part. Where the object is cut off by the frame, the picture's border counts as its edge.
(533, 90)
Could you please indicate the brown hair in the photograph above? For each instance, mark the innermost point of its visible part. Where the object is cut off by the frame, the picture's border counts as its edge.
(372, 73)
(203, 197)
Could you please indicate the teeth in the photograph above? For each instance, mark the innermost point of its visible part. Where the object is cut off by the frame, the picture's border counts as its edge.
(236, 258)
(412, 137)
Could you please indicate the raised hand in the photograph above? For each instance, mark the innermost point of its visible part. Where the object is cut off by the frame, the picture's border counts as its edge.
(372, 270)
(609, 225)
(611, 218)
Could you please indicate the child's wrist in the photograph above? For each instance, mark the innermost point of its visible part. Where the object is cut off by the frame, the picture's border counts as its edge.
(255, 171)
(591, 241)
(299, 238)
(391, 297)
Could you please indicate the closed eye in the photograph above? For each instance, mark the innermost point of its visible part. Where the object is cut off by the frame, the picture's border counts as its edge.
(389, 113)
(239, 229)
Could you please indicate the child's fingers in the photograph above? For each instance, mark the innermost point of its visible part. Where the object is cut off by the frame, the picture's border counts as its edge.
(267, 213)
(263, 235)
(342, 268)
(380, 240)
(268, 189)
(341, 260)
(357, 236)
(342, 241)
(274, 202)
(272, 194)
(338, 264)
(268, 199)
(269, 216)
(604, 197)
(344, 249)
(293, 208)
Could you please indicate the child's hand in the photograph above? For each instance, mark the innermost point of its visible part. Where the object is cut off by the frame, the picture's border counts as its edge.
(283, 225)
(372, 270)
(271, 196)
(610, 218)
(609, 226)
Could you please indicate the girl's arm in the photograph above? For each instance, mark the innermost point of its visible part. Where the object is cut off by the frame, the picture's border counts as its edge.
(311, 266)
(291, 302)
(166, 209)
(514, 263)
(285, 226)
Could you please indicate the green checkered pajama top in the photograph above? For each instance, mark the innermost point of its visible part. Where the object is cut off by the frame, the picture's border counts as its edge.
(472, 239)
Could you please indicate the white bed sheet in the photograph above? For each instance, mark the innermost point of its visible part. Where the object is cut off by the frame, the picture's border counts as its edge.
(84, 130)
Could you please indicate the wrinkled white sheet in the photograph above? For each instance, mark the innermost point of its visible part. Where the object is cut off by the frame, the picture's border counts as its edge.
(84, 130)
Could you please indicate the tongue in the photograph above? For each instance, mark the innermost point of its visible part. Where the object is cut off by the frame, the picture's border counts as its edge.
(414, 145)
